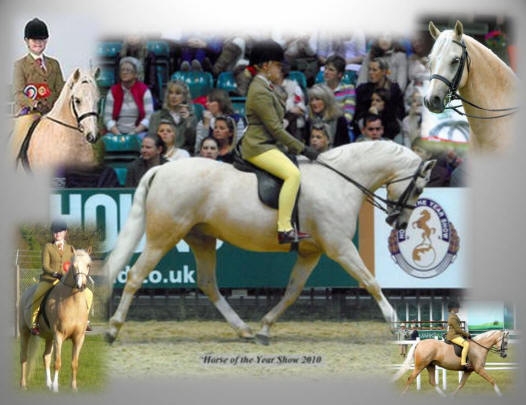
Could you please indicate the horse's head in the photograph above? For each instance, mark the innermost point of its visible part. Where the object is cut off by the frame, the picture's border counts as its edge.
(448, 63)
(84, 102)
(403, 192)
(80, 267)
(502, 343)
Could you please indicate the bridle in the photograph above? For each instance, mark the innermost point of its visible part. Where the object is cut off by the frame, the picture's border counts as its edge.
(78, 118)
(503, 345)
(392, 208)
(77, 273)
(453, 94)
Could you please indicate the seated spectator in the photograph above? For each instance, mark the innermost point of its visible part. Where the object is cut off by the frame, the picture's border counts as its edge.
(351, 46)
(378, 78)
(178, 109)
(136, 46)
(381, 105)
(295, 108)
(372, 129)
(129, 103)
(218, 103)
(319, 137)
(393, 54)
(323, 108)
(209, 148)
(168, 133)
(152, 151)
(199, 54)
(300, 54)
(225, 133)
(417, 70)
(412, 122)
(231, 57)
(345, 94)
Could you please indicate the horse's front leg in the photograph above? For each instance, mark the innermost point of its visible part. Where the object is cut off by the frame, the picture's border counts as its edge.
(57, 347)
(204, 249)
(300, 273)
(77, 342)
(48, 350)
(142, 267)
(462, 382)
(24, 346)
(484, 374)
(348, 257)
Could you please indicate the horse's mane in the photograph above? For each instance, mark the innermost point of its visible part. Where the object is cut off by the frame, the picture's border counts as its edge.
(368, 150)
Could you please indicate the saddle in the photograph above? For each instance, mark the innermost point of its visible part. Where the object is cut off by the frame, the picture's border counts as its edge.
(269, 186)
(456, 348)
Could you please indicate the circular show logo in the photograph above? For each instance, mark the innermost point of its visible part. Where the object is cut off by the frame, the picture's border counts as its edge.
(429, 244)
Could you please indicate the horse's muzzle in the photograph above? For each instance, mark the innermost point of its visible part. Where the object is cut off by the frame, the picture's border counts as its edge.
(91, 137)
(434, 104)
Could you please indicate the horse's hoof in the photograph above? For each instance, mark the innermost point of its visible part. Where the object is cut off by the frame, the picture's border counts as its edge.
(109, 338)
(262, 339)
(246, 334)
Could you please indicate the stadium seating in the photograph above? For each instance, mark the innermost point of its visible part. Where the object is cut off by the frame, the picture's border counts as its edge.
(199, 83)
(120, 151)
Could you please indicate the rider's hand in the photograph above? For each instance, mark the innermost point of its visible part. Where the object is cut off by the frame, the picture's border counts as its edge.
(57, 275)
(309, 152)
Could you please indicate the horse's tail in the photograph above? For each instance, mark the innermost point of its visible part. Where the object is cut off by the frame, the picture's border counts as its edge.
(406, 365)
(132, 231)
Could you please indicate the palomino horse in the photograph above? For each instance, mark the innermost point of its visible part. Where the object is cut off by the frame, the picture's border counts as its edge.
(201, 200)
(65, 135)
(430, 353)
(64, 316)
(485, 85)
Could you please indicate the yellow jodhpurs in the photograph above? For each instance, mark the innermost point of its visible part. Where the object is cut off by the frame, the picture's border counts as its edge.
(459, 340)
(276, 163)
(38, 296)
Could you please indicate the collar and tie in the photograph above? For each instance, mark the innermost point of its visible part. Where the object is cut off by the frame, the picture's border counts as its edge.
(60, 245)
(40, 62)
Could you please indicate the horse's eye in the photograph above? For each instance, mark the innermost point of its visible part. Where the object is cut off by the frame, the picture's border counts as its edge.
(77, 100)
(456, 60)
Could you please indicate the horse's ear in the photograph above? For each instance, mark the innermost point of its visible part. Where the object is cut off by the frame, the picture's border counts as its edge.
(96, 72)
(76, 75)
(428, 166)
(459, 29)
(433, 30)
(89, 250)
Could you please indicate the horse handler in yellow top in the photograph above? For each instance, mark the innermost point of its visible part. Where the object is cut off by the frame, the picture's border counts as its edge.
(265, 138)
(456, 334)
(56, 260)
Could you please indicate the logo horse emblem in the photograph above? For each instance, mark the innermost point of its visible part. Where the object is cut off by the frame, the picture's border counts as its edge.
(429, 245)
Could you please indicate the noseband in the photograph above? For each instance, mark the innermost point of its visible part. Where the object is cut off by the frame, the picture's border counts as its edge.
(453, 89)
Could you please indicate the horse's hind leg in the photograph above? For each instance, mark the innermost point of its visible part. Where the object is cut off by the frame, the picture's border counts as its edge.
(432, 380)
(142, 267)
(204, 249)
(300, 273)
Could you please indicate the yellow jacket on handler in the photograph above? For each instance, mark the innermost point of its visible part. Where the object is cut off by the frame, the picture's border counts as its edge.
(56, 260)
(455, 333)
(265, 137)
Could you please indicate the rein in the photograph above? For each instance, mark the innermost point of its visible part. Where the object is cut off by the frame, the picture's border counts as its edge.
(77, 117)
(375, 199)
(454, 95)
(492, 348)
